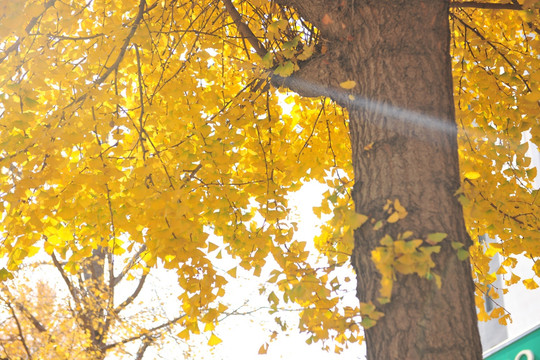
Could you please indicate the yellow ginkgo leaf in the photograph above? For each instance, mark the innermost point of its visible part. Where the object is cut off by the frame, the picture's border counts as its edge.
(209, 326)
(349, 84)
(214, 340)
(399, 208)
(530, 284)
(472, 175)
(184, 334)
(393, 218)
(263, 349)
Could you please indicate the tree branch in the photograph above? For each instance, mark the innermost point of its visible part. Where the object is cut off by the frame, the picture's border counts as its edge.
(504, 214)
(123, 49)
(110, 252)
(39, 326)
(70, 286)
(244, 30)
(133, 296)
(477, 33)
(480, 5)
(145, 334)
(19, 329)
(515, 5)
(28, 27)
(311, 67)
(146, 343)
(129, 266)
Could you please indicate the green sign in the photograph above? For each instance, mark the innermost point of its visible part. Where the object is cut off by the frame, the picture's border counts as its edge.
(524, 347)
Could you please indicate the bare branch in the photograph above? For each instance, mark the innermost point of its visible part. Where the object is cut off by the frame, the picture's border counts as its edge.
(480, 5)
(69, 284)
(146, 343)
(129, 266)
(71, 38)
(145, 334)
(133, 296)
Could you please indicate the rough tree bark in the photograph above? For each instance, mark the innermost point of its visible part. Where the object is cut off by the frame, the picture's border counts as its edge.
(397, 51)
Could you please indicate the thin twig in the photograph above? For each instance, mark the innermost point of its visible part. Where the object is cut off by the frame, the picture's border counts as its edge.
(145, 334)
(474, 30)
(480, 5)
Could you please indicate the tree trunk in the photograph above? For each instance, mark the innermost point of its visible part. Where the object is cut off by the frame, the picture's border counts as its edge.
(405, 62)
(404, 146)
(93, 312)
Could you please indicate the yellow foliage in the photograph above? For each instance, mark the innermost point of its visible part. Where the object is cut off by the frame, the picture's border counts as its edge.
(214, 340)
(156, 125)
(263, 349)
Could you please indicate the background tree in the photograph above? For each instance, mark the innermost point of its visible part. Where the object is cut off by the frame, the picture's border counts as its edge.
(91, 317)
(157, 121)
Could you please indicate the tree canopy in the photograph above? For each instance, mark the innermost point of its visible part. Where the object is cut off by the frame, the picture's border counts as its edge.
(162, 122)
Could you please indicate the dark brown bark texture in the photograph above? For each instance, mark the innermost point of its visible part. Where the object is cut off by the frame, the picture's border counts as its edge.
(397, 51)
